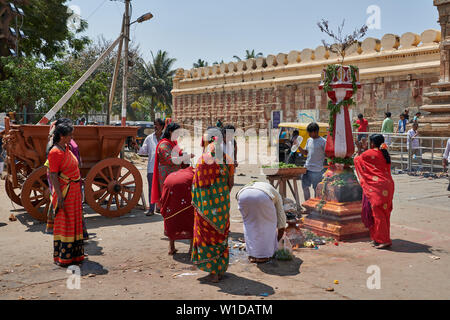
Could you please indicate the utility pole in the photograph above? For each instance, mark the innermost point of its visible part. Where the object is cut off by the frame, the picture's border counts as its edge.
(125, 71)
(115, 76)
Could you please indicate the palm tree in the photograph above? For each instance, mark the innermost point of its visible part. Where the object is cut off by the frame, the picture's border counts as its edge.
(155, 80)
(249, 55)
(200, 63)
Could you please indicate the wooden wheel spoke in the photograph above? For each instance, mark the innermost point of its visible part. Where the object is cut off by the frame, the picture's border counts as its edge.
(99, 193)
(103, 176)
(46, 207)
(124, 198)
(109, 202)
(116, 196)
(40, 203)
(119, 170)
(127, 183)
(42, 184)
(99, 184)
(35, 198)
(37, 191)
(110, 172)
(124, 177)
(103, 198)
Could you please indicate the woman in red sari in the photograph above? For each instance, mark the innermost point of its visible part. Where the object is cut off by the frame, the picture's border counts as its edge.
(374, 172)
(213, 181)
(66, 199)
(168, 159)
(176, 207)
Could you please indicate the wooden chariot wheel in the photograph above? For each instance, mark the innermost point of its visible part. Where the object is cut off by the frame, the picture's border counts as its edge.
(22, 172)
(35, 194)
(113, 187)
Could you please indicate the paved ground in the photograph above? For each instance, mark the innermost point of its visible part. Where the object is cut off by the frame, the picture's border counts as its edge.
(128, 258)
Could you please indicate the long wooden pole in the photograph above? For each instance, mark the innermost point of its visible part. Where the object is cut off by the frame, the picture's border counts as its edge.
(51, 113)
(116, 75)
(125, 71)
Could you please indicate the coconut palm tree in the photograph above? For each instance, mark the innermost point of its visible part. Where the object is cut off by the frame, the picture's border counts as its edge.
(155, 80)
(200, 63)
(249, 55)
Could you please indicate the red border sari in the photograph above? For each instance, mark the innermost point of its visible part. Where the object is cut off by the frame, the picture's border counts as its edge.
(68, 226)
(378, 187)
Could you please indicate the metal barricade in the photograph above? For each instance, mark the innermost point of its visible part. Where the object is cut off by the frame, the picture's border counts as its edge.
(427, 156)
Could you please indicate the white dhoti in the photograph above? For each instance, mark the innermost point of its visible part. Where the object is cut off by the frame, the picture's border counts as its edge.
(260, 223)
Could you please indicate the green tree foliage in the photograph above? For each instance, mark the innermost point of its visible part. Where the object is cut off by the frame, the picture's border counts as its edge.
(35, 87)
(28, 86)
(249, 55)
(155, 80)
(200, 63)
(46, 31)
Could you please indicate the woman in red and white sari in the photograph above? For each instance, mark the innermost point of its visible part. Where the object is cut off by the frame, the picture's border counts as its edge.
(373, 168)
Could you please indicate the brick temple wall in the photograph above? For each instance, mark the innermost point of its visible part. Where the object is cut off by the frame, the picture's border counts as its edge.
(395, 73)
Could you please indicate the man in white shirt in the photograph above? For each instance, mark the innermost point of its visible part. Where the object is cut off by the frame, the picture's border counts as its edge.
(413, 143)
(446, 161)
(149, 148)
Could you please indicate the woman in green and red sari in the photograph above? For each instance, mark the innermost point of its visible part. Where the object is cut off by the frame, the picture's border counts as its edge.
(68, 247)
(213, 180)
(168, 158)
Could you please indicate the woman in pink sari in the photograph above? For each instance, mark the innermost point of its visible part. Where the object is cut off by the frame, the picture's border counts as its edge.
(168, 158)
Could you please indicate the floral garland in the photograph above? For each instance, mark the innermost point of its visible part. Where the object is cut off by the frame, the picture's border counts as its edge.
(335, 109)
(345, 161)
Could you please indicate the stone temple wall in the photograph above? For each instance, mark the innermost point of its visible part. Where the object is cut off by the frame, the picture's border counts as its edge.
(395, 73)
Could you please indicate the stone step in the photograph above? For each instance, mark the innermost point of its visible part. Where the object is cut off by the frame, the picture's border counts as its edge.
(438, 96)
(441, 85)
(436, 108)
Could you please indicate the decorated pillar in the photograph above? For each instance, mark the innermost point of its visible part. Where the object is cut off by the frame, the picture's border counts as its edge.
(336, 210)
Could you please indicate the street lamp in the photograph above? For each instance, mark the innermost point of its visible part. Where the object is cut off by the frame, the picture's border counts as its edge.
(144, 17)
(127, 25)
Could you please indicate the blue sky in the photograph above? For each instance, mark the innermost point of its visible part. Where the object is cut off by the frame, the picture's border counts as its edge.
(214, 30)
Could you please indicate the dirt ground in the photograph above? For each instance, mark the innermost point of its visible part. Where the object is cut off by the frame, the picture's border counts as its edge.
(128, 257)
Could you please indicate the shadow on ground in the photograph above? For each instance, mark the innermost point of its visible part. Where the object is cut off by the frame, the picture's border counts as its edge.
(92, 220)
(92, 267)
(399, 245)
(3, 224)
(183, 257)
(239, 286)
(281, 268)
(91, 246)
(235, 236)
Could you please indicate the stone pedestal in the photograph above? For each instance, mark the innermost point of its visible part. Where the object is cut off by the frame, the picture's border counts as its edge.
(336, 211)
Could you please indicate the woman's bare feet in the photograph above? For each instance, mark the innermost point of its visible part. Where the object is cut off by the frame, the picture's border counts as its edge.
(190, 248)
(383, 246)
(214, 278)
(172, 249)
